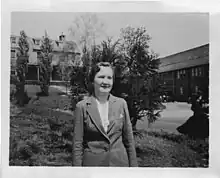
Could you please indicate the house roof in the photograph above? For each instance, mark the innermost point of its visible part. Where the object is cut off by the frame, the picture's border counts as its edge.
(66, 46)
(58, 46)
(186, 59)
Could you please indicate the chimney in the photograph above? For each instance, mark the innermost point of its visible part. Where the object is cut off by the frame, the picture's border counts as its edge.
(62, 37)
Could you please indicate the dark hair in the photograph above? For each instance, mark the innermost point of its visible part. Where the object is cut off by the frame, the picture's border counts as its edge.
(94, 70)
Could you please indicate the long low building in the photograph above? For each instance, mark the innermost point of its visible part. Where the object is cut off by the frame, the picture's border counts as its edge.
(185, 73)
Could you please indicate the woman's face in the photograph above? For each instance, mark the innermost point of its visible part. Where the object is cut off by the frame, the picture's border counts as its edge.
(103, 80)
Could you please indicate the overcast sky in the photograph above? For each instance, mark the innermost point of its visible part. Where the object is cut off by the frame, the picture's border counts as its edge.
(170, 32)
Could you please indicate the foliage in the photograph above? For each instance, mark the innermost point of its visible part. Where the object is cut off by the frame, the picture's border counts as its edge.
(78, 84)
(21, 69)
(45, 64)
(140, 66)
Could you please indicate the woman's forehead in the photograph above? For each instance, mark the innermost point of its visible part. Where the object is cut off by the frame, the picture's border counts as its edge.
(105, 70)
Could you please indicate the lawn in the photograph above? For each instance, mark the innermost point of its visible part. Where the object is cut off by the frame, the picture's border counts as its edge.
(41, 135)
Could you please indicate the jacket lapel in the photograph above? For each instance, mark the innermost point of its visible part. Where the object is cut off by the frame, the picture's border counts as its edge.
(112, 101)
(92, 109)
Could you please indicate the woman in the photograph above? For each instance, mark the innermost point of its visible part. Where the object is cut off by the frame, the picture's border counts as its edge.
(102, 128)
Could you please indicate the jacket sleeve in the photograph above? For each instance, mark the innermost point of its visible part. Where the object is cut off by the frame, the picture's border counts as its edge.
(128, 138)
(78, 136)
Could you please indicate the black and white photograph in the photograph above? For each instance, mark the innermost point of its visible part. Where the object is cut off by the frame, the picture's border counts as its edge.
(109, 89)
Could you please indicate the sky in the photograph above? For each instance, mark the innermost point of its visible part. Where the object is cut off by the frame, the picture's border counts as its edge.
(170, 32)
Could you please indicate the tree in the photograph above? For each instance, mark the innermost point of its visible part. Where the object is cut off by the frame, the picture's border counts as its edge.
(45, 64)
(21, 69)
(140, 65)
(85, 29)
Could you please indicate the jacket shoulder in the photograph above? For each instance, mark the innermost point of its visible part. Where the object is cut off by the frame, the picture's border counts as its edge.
(119, 99)
(82, 103)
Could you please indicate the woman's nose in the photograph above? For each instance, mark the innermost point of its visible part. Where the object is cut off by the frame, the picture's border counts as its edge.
(106, 81)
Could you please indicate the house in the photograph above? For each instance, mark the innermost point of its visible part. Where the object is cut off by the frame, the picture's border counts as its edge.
(64, 52)
(185, 73)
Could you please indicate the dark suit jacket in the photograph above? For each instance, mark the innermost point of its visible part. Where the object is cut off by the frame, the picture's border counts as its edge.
(92, 146)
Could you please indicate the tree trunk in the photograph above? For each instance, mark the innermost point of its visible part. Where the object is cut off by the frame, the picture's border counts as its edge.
(134, 124)
(149, 124)
(20, 97)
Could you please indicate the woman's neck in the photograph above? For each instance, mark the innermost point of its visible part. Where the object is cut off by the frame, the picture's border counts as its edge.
(102, 98)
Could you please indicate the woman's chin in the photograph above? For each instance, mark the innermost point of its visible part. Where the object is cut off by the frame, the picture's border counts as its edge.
(105, 91)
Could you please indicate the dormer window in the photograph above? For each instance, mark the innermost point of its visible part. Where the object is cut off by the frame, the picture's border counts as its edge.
(37, 42)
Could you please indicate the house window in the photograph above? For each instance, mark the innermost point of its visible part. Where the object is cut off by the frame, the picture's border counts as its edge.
(38, 54)
(13, 53)
(13, 40)
(181, 90)
(36, 41)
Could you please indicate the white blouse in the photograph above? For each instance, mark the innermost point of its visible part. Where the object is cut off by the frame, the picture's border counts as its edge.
(103, 111)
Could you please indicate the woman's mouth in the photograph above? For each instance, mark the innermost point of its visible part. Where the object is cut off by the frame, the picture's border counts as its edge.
(105, 86)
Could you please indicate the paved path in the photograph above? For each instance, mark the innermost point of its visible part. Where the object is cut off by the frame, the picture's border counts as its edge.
(61, 88)
(173, 116)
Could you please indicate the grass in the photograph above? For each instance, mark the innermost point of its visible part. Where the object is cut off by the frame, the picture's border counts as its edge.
(163, 149)
(41, 135)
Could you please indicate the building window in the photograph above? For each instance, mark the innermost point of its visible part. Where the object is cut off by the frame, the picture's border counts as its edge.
(200, 71)
(184, 71)
(196, 89)
(13, 54)
(193, 72)
(178, 74)
(181, 90)
(196, 71)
